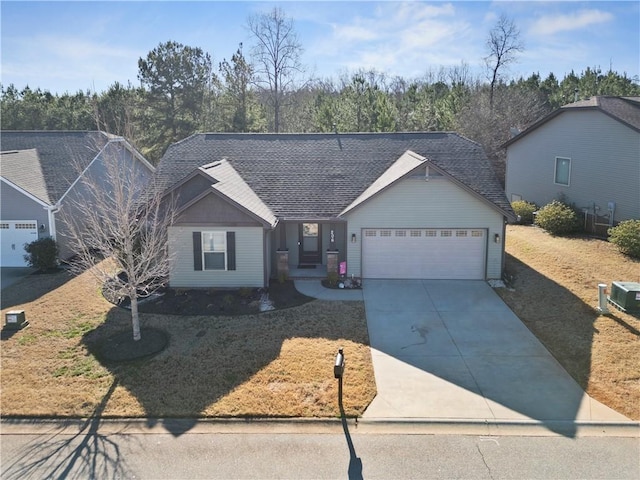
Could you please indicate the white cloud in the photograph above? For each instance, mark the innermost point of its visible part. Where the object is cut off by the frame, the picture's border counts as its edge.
(550, 24)
(397, 38)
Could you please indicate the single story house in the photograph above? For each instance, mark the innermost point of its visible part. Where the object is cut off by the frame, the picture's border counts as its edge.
(41, 175)
(251, 207)
(587, 154)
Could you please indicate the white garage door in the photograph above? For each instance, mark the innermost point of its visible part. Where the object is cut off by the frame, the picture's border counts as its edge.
(430, 253)
(13, 236)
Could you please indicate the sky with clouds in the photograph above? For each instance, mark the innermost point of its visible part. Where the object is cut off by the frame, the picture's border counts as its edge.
(66, 46)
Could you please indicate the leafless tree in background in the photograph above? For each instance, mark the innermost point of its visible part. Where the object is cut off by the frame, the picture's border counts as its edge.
(503, 44)
(277, 55)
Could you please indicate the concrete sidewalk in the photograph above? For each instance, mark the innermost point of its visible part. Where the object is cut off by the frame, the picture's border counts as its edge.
(313, 288)
(453, 351)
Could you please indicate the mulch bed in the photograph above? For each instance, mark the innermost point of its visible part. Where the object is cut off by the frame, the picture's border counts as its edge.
(123, 348)
(243, 301)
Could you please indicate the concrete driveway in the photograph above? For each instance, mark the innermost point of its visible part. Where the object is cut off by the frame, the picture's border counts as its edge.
(452, 350)
(10, 275)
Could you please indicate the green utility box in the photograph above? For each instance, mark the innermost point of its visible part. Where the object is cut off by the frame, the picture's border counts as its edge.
(15, 320)
(626, 296)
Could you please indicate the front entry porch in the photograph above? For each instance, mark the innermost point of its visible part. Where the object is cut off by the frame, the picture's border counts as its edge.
(320, 271)
(308, 249)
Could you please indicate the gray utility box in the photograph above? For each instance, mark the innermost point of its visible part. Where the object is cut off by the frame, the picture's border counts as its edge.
(626, 296)
(15, 320)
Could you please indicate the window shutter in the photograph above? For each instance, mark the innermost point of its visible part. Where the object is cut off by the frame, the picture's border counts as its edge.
(197, 251)
(231, 250)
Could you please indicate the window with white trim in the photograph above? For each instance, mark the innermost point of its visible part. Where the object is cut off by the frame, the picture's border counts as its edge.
(214, 250)
(563, 171)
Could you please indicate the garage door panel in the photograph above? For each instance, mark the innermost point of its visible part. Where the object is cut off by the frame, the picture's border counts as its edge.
(13, 236)
(424, 253)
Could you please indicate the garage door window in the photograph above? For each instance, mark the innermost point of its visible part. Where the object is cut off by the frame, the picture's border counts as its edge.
(25, 226)
(461, 233)
(445, 233)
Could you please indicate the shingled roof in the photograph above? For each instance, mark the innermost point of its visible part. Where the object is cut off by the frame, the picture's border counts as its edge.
(316, 176)
(61, 156)
(625, 110)
(23, 169)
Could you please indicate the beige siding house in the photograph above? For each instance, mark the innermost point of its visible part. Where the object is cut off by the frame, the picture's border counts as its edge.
(252, 207)
(587, 154)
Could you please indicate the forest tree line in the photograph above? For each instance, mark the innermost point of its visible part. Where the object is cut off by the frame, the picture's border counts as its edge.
(182, 91)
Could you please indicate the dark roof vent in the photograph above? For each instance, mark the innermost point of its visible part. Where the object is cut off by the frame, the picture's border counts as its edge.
(335, 129)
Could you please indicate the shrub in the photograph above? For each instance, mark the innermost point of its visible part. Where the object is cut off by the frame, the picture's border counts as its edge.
(42, 254)
(524, 210)
(332, 279)
(626, 236)
(558, 219)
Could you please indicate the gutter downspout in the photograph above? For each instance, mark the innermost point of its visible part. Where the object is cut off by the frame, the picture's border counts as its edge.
(51, 214)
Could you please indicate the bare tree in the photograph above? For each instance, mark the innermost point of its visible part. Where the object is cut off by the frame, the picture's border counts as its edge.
(503, 44)
(515, 107)
(117, 226)
(277, 55)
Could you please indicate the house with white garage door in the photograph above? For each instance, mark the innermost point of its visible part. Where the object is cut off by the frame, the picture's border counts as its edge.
(252, 207)
(41, 180)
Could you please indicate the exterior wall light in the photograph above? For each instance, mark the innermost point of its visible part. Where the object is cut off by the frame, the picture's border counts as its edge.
(496, 238)
(353, 238)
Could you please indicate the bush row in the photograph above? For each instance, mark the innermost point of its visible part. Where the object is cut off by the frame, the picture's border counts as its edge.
(558, 218)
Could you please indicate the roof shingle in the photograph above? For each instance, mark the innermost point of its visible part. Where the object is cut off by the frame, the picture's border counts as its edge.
(62, 156)
(316, 176)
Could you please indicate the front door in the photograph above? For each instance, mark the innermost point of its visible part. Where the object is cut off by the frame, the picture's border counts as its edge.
(310, 239)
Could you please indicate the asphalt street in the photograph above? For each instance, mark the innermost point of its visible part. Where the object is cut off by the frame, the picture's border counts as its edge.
(331, 453)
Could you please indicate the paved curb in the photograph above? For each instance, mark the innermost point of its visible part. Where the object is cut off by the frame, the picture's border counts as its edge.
(291, 426)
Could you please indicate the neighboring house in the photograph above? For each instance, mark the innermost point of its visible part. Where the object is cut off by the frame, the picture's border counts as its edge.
(41, 176)
(391, 205)
(586, 154)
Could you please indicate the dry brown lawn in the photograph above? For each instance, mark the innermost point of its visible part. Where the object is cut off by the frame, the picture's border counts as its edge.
(554, 292)
(276, 363)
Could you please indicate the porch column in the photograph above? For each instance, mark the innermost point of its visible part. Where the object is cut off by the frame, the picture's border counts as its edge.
(332, 261)
(282, 263)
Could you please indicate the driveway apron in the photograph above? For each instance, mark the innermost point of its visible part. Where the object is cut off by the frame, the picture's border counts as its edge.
(452, 350)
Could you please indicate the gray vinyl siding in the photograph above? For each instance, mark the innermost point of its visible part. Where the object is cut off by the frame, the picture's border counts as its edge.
(77, 198)
(605, 163)
(14, 205)
(415, 203)
(249, 259)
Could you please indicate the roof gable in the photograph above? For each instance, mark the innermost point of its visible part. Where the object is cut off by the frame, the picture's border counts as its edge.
(317, 176)
(408, 162)
(625, 110)
(230, 184)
